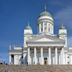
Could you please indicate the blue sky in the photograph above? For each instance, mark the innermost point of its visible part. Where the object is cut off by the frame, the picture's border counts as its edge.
(15, 15)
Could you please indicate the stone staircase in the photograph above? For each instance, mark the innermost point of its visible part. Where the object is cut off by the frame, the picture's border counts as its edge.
(35, 68)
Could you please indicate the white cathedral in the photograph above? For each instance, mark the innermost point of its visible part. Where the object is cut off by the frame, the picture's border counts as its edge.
(44, 47)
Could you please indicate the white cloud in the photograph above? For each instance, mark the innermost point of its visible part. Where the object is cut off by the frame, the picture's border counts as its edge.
(57, 3)
(60, 3)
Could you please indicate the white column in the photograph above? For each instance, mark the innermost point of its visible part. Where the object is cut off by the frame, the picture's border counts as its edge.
(43, 27)
(49, 53)
(10, 59)
(56, 56)
(29, 58)
(42, 58)
(41, 52)
(40, 28)
(16, 59)
(35, 60)
(62, 56)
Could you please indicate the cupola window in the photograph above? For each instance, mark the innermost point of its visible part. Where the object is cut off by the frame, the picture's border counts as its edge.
(45, 26)
(41, 27)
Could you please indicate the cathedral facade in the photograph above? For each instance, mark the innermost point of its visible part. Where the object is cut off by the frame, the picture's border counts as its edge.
(44, 47)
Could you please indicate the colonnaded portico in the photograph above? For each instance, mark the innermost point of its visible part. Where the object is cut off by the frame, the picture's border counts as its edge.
(45, 55)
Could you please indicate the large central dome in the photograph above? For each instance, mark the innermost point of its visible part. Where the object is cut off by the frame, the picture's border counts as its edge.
(46, 23)
(45, 13)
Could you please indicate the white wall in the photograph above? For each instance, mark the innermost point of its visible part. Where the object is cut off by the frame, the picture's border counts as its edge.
(70, 60)
(17, 59)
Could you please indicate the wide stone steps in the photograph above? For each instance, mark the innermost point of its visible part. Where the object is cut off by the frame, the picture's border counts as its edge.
(35, 68)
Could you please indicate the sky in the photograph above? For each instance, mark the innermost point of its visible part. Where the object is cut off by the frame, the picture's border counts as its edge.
(15, 15)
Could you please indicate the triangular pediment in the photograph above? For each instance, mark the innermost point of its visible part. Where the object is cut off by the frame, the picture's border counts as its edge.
(44, 39)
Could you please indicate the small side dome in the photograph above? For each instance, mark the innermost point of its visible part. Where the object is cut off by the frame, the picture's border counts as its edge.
(62, 30)
(28, 30)
(28, 27)
(62, 27)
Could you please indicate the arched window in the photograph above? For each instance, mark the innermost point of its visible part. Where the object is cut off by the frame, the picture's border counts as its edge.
(49, 28)
(41, 27)
(45, 26)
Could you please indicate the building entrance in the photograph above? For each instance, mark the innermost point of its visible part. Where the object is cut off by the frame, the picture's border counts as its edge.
(45, 61)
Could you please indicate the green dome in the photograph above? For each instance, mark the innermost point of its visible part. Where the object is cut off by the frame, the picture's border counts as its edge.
(62, 27)
(45, 13)
(28, 27)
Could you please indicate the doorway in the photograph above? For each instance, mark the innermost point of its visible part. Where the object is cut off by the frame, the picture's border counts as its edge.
(45, 61)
